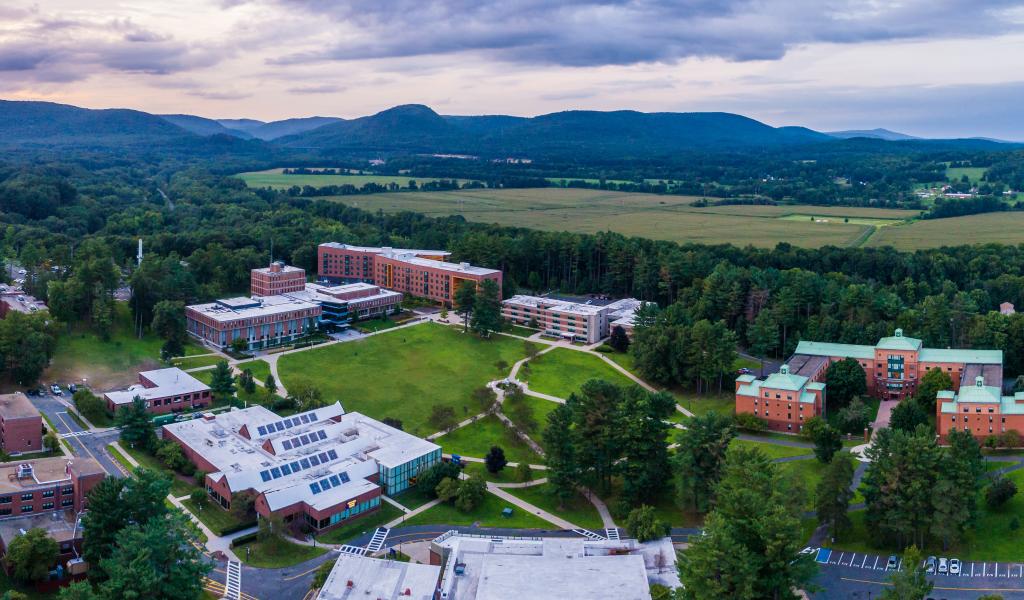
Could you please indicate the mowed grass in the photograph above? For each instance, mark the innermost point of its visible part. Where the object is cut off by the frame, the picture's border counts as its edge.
(652, 216)
(274, 178)
(773, 451)
(1001, 227)
(561, 372)
(404, 373)
(276, 554)
(259, 369)
(476, 440)
(974, 174)
(487, 514)
(105, 365)
(578, 511)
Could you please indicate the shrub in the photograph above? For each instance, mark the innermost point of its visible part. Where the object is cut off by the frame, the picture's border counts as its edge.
(643, 524)
(429, 478)
(1000, 491)
(280, 404)
(523, 472)
(495, 460)
(750, 422)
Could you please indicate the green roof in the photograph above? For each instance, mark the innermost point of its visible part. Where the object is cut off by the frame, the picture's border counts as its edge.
(828, 349)
(784, 380)
(956, 355)
(898, 342)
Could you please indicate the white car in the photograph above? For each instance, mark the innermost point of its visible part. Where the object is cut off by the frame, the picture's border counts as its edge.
(943, 565)
(954, 566)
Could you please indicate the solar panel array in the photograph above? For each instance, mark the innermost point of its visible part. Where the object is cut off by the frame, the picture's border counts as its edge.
(328, 482)
(302, 440)
(307, 462)
(263, 430)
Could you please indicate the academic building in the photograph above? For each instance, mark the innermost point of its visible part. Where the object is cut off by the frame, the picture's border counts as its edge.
(21, 425)
(163, 391)
(587, 321)
(892, 368)
(419, 273)
(324, 466)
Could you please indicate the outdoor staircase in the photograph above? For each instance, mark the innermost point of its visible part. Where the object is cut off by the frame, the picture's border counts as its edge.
(612, 533)
(589, 534)
(233, 581)
(377, 541)
(353, 550)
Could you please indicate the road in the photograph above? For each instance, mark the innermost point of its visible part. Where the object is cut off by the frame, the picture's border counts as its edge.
(83, 443)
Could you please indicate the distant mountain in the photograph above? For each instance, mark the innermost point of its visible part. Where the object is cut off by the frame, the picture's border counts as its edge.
(246, 125)
(203, 126)
(277, 129)
(26, 123)
(878, 134)
(417, 128)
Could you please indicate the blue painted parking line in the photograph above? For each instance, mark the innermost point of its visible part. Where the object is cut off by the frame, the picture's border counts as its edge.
(823, 555)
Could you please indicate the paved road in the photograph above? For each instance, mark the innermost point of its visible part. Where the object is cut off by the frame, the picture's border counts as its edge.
(91, 445)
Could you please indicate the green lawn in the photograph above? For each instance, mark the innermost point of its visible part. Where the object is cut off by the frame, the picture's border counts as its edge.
(773, 451)
(373, 325)
(260, 369)
(81, 356)
(699, 405)
(194, 362)
(506, 475)
(624, 360)
(213, 516)
(578, 511)
(808, 472)
(346, 532)
(179, 487)
(530, 414)
(276, 555)
(476, 439)
(561, 372)
(404, 374)
(521, 331)
(488, 514)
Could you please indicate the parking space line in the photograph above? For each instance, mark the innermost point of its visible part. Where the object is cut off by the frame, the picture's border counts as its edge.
(864, 561)
(876, 563)
(972, 569)
(984, 569)
(850, 564)
(899, 565)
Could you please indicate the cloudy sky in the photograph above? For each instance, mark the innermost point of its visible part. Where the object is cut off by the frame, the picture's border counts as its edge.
(926, 67)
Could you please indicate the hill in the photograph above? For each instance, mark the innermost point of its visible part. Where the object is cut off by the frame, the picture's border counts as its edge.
(203, 126)
(50, 124)
(877, 133)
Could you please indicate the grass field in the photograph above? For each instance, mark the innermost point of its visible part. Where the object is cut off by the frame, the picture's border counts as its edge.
(578, 511)
(213, 516)
(276, 555)
(194, 362)
(274, 178)
(340, 535)
(773, 451)
(412, 369)
(1001, 227)
(488, 514)
(646, 215)
(259, 368)
(105, 365)
(561, 372)
(974, 174)
(477, 438)
(536, 411)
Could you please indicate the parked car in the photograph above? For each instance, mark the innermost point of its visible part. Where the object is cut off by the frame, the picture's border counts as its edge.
(56, 390)
(744, 371)
(929, 565)
(943, 565)
(72, 388)
(893, 561)
(32, 392)
(954, 566)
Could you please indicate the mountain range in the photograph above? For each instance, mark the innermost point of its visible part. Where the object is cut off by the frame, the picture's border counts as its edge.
(415, 128)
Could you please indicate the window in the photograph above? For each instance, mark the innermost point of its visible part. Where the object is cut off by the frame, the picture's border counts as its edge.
(48, 493)
(47, 505)
(26, 508)
(67, 502)
(27, 496)
(5, 499)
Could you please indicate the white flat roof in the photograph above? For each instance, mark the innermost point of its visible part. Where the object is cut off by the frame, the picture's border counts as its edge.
(440, 264)
(169, 382)
(559, 306)
(230, 309)
(381, 249)
(319, 293)
(379, 579)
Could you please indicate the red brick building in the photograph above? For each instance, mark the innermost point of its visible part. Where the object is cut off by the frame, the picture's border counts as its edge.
(262, 322)
(784, 400)
(21, 425)
(980, 409)
(163, 391)
(278, 278)
(418, 273)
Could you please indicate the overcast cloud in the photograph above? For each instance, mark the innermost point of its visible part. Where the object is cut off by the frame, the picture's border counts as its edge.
(940, 68)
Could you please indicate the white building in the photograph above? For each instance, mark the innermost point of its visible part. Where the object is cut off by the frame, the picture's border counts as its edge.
(377, 579)
(588, 322)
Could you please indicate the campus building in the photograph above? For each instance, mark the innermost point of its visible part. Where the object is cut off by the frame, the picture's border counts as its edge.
(48, 493)
(355, 576)
(980, 409)
(163, 391)
(21, 425)
(323, 466)
(278, 278)
(419, 273)
(262, 322)
(340, 305)
(586, 321)
(892, 368)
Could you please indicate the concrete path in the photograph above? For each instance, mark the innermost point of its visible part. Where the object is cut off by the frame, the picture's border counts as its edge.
(522, 484)
(602, 509)
(524, 505)
(398, 521)
(394, 503)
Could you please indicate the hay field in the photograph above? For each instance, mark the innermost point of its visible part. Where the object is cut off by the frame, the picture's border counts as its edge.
(647, 215)
(274, 178)
(1001, 227)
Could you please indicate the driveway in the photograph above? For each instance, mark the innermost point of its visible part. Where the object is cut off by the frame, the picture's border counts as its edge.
(90, 444)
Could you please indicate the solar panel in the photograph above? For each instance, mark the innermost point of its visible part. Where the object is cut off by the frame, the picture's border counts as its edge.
(275, 472)
(296, 421)
(265, 475)
(323, 457)
(344, 477)
(287, 424)
(335, 481)
(312, 417)
(305, 418)
(325, 484)
(286, 470)
(314, 460)
(305, 463)
(287, 444)
(315, 487)
(333, 454)
(304, 438)
(322, 434)
(261, 430)
(279, 425)
(295, 467)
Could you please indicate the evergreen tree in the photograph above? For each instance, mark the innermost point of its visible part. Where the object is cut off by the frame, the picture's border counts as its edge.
(845, 379)
(136, 426)
(644, 452)
(222, 382)
(833, 495)
(486, 309)
(169, 324)
(827, 441)
(270, 384)
(931, 383)
(157, 559)
(597, 419)
(700, 457)
(619, 341)
(495, 460)
(643, 524)
(907, 416)
(465, 298)
(563, 463)
(78, 590)
(763, 336)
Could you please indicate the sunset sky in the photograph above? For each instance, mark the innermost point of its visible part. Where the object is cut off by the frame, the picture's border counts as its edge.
(936, 69)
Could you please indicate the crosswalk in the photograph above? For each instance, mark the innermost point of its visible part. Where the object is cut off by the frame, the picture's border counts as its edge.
(353, 550)
(377, 541)
(233, 581)
(72, 434)
(589, 534)
(612, 533)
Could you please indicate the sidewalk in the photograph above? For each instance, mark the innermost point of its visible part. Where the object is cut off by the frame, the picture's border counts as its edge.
(507, 497)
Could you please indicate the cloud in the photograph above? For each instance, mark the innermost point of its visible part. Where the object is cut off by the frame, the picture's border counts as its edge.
(219, 95)
(325, 88)
(585, 33)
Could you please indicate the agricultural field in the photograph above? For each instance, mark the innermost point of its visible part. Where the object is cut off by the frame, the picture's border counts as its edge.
(1001, 227)
(413, 369)
(653, 216)
(974, 174)
(274, 178)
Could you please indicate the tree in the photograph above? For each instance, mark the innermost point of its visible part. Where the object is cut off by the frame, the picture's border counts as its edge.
(171, 455)
(562, 461)
(158, 559)
(239, 345)
(170, 325)
(246, 382)
(470, 494)
(31, 555)
(495, 460)
(307, 396)
(199, 497)
(523, 472)
(443, 417)
(465, 298)
(136, 426)
(619, 341)
(928, 386)
(763, 336)
(243, 506)
(910, 583)
(642, 523)
(643, 451)
(271, 529)
(1000, 491)
(429, 478)
(854, 417)
(114, 504)
(486, 309)
(827, 441)
(222, 382)
(700, 457)
(444, 314)
(833, 495)
(89, 405)
(393, 422)
(78, 590)
(845, 379)
(447, 490)
(270, 384)
(51, 442)
(907, 415)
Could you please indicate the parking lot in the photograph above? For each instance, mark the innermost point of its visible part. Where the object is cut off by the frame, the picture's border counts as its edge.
(877, 562)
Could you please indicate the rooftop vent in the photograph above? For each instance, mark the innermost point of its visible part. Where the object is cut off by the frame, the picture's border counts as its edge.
(24, 470)
(784, 370)
(899, 332)
(979, 381)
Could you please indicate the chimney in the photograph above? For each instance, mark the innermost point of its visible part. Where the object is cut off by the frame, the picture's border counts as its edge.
(899, 332)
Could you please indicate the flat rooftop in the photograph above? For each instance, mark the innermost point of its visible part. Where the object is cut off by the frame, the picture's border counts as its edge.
(554, 305)
(440, 264)
(498, 568)
(44, 471)
(59, 525)
(382, 249)
(282, 269)
(379, 579)
(318, 293)
(231, 309)
(17, 406)
(169, 382)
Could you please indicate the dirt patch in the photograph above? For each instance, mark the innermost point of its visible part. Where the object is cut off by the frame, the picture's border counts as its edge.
(99, 377)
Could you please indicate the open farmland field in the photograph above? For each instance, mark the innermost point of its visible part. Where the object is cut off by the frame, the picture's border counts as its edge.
(274, 178)
(647, 215)
(974, 174)
(1001, 227)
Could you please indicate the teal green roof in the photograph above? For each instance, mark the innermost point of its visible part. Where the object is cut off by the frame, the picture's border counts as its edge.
(899, 342)
(784, 380)
(815, 385)
(807, 398)
(955, 355)
(982, 394)
(828, 349)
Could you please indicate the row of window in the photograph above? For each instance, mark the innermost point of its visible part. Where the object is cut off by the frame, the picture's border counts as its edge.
(953, 419)
(28, 508)
(66, 491)
(789, 416)
(788, 406)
